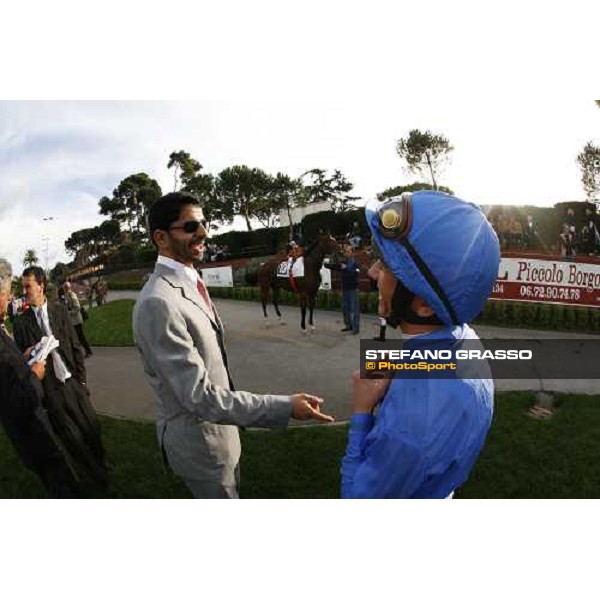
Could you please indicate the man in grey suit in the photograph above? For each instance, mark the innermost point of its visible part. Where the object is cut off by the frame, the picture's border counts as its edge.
(179, 335)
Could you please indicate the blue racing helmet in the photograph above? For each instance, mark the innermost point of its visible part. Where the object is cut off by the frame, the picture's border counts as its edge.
(441, 248)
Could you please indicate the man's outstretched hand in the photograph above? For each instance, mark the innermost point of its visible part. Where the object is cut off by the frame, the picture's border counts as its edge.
(305, 406)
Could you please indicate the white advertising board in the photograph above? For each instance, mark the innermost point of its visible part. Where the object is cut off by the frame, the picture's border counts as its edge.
(218, 276)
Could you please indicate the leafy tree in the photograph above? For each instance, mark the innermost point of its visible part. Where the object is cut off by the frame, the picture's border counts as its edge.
(30, 259)
(334, 188)
(114, 207)
(240, 190)
(108, 233)
(59, 272)
(589, 162)
(413, 187)
(82, 244)
(424, 151)
(216, 210)
(130, 202)
(184, 166)
(286, 193)
(202, 185)
(86, 244)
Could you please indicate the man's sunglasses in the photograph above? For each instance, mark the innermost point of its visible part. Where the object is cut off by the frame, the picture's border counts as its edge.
(190, 226)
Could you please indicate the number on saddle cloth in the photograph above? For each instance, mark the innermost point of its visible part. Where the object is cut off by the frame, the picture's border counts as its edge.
(283, 268)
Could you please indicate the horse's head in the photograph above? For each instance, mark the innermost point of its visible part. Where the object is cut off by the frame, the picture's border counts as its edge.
(328, 244)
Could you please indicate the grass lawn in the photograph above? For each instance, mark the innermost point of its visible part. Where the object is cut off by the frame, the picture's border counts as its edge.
(523, 458)
(110, 324)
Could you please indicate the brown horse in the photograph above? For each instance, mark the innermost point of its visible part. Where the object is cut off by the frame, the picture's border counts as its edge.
(306, 287)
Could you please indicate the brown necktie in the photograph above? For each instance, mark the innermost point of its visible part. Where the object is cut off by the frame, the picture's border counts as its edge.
(204, 293)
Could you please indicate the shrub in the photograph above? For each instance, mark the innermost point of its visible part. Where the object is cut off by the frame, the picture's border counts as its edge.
(496, 312)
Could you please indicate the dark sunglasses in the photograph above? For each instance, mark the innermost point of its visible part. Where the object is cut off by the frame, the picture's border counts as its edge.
(190, 226)
(395, 217)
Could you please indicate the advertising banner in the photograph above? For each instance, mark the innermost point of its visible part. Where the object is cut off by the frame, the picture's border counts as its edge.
(552, 281)
(218, 276)
(325, 279)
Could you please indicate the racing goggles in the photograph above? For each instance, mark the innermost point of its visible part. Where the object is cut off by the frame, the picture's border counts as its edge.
(394, 217)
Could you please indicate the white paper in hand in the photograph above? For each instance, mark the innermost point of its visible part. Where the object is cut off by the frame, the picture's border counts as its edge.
(42, 349)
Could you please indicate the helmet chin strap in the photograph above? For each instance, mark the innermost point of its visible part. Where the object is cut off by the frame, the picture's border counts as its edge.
(402, 309)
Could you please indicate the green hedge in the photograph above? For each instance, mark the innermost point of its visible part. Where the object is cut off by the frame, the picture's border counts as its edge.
(125, 285)
(508, 314)
(531, 315)
(552, 317)
(266, 241)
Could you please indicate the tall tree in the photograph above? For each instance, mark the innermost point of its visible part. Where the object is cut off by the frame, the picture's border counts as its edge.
(413, 187)
(59, 272)
(108, 234)
(30, 259)
(202, 185)
(241, 190)
(333, 188)
(424, 152)
(286, 193)
(185, 167)
(589, 163)
(82, 244)
(130, 202)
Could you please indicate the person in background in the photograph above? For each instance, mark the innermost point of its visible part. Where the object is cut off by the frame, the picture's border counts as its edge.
(503, 231)
(571, 233)
(61, 294)
(354, 238)
(530, 235)
(66, 395)
(90, 296)
(73, 306)
(350, 274)
(22, 415)
(590, 234)
(516, 232)
(14, 306)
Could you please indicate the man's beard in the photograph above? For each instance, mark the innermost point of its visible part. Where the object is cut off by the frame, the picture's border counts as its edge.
(184, 253)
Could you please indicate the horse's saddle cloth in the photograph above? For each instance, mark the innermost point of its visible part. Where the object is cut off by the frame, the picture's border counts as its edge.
(297, 268)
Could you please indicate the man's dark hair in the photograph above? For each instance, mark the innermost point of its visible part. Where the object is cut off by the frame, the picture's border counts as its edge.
(39, 275)
(166, 210)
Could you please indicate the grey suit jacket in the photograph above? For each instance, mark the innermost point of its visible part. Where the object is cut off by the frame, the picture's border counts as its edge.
(198, 414)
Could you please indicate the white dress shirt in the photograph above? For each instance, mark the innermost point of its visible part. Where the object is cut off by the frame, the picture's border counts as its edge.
(189, 272)
(60, 369)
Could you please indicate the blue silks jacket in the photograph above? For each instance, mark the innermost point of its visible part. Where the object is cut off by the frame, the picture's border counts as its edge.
(425, 437)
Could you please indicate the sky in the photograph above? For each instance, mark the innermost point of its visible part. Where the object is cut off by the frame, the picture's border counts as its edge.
(58, 158)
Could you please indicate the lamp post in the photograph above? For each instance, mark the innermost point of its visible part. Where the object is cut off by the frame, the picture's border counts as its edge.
(47, 238)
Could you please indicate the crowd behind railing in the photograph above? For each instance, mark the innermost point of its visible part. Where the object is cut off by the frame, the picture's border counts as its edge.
(575, 236)
(214, 252)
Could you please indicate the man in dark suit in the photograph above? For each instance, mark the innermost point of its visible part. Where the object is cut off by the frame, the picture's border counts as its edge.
(66, 397)
(21, 413)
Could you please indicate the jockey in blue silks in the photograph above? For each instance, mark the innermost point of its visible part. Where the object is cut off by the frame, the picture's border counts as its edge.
(439, 260)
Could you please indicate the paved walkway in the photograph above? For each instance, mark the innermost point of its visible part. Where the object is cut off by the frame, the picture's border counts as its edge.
(279, 359)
